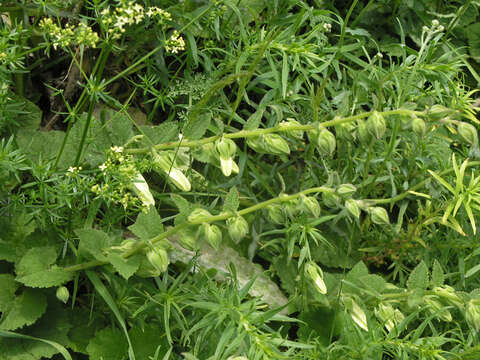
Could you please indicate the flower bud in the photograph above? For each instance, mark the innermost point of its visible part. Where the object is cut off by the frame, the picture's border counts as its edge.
(362, 132)
(188, 237)
(472, 314)
(379, 215)
(436, 308)
(226, 150)
(386, 314)
(326, 142)
(237, 228)
(346, 190)
(141, 189)
(418, 126)
(376, 125)
(298, 134)
(276, 214)
(314, 272)
(345, 131)
(158, 258)
(468, 133)
(199, 215)
(213, 235)
(352, 207)
(438, 112)
(356, 312)
(330, 199)
(164, 164)
(62, 294)
(448, 294)
(275, 144)
(309, 204)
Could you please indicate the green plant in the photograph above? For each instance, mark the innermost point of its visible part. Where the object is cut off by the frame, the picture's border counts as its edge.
(238, 180)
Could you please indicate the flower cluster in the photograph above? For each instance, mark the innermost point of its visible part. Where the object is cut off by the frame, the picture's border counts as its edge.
(116, 21)
(82, 34)
(120, 178)
(175, 43)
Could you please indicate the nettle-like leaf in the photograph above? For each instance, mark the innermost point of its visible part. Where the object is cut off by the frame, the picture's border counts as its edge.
(8, 287)
(231, 200)
(36, 268)
(438, 276)
(148, 225)
(125, 267)
(93, 242)
(418, 278)
(197, 125)
(153, 135)
(24, 310)
(108, 344)
(48, 337)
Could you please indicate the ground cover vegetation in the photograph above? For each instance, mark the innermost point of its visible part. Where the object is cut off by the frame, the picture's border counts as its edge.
(239, 179)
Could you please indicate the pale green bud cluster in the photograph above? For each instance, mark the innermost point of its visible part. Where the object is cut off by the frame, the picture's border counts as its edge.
(436, 308)
(468, 133)
(297, 134)
(62, 294)
(376, 125)
(346, 190)
(330, 198)
(418, 126)
(237, 228)
(276, 214)
(472, 314)
(165, 165)
(226, 150)
(158, 258)
(346, 131)
(309, 205)
(356, 312)
(269, 144)
(326, 142)
(363, 133)
(389, 316)
(353, 208)
(315, 273)
(439, 112)
(199, 215)
(379, 215)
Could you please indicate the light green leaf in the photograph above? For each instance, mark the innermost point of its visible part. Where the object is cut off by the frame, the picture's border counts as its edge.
(148, 225)
(231, 200)
(108, 344)
(35, 268)
(472, 271)
(93, 242)
(197, 125)
(125, 267)
(153, 135)
(438, 277)
(25, 310)
(8, 288)
(418, 278)
(443, 182)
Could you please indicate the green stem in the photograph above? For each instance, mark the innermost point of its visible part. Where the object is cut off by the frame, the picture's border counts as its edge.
(257, 132)
(223, 216)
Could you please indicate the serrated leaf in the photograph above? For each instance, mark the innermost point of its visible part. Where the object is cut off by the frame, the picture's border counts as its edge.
(125, 267)
(93, 242)
(8, 288)
(147, 225)
(438, 277)
(418, 279)
(29, 116)
(108, 344)
(197, 125)
(40, 145)
(231, 200)
(25, 310)
(46, 278)
(254, 120)
(154, 135)
(35, 268)
(184, 207)
(359, 270)
(373, 282)
(119, 127)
